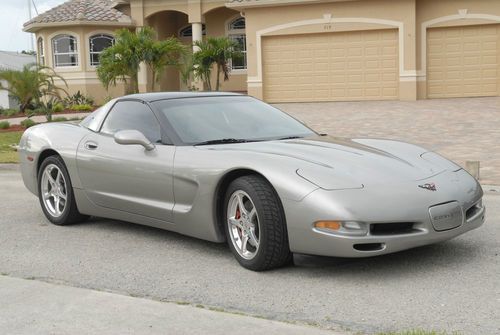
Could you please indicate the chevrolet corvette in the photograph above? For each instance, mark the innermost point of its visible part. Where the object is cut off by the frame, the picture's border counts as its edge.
(228, 167)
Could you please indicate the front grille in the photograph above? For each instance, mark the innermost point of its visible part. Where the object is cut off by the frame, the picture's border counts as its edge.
(392, 228)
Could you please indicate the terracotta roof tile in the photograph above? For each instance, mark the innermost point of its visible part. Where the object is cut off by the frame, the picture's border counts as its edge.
(81, 10)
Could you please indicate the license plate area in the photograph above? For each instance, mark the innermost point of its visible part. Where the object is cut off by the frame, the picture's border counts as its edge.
(446, 216)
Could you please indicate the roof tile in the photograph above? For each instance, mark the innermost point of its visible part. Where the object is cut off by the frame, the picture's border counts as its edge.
(81, 10)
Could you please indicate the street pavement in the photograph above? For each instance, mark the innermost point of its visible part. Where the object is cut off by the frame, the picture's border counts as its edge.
(36, 307)
(452, 286)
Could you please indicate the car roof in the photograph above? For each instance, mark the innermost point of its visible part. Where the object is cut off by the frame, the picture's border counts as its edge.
(150, 97)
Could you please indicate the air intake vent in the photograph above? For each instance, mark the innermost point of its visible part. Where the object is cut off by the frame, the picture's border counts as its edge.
(392, 228)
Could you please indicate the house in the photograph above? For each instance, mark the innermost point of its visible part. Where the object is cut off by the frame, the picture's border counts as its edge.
(298, 50)
(12, 61)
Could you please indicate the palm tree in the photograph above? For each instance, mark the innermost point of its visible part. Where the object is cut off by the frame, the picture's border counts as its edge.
(216, 51)
(160, 54)
(31, 84)
(121, 62)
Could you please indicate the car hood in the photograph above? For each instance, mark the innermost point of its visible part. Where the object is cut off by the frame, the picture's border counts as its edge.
(337, 163)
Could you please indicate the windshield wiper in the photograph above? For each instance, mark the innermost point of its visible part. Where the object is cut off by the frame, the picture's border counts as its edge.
(224, 141)
(289, 138)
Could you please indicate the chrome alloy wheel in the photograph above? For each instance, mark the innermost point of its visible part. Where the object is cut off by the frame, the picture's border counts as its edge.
(54, 192)
(243, 224)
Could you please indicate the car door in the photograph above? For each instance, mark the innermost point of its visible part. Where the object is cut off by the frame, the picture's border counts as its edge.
(128, 178)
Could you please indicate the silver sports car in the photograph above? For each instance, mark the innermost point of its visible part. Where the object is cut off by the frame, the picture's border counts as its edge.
(229, 167)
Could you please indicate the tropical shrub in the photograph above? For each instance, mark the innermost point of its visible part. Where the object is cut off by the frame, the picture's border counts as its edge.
(78, 99)
(82, 108)
(9, 112)
(31, 84)
(4, 124)
(58, 107)
(28, 123)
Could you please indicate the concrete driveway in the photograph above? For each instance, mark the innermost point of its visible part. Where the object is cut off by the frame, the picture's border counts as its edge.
(460, 129)
(448, 286)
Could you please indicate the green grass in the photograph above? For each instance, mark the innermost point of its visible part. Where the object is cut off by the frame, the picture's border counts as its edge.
(7, 154)
(419, 332)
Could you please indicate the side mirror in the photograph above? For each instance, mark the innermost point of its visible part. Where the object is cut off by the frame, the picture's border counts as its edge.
(133, 136)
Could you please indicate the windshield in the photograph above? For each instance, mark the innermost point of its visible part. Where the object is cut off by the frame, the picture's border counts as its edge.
(229, 118)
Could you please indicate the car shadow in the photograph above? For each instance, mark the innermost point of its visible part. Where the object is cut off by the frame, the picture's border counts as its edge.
(431, 257)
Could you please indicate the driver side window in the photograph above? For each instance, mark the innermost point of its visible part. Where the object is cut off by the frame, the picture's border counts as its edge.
(135, 115)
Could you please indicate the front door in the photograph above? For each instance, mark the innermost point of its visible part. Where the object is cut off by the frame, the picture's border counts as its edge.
(128, 177)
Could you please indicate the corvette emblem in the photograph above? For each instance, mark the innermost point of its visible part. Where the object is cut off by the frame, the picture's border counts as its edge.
(429, 186)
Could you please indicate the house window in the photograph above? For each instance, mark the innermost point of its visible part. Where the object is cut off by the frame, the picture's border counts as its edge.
(237, 33)
(65, 50)
(187, 31)
(41, 54)
(97, 44)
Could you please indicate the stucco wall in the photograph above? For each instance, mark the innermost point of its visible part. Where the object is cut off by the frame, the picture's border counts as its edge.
(406, 15)
(83, 77)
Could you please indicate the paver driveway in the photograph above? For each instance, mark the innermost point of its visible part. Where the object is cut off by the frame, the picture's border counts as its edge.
(460, 129)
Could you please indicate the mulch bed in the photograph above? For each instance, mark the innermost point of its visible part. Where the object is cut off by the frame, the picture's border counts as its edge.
(66, 111)
(15, 127)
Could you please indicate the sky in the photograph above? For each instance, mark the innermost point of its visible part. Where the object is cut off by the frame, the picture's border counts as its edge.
(13, 13)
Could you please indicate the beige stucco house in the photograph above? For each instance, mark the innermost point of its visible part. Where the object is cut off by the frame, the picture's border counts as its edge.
(298, 50)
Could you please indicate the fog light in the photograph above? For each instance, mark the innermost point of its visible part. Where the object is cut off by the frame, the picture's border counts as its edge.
(333, 225)
(352, 225)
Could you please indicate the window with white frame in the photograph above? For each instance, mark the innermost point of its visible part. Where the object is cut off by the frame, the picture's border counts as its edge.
(187, 31)
(97, 44)
(65, 50)
(41, 54)
(237, 33)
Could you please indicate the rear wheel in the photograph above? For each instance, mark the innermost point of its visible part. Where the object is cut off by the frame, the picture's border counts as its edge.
(255, 224)
(55, 193)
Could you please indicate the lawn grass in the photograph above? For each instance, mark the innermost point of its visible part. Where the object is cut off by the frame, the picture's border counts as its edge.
(419, 332)
(8, 154)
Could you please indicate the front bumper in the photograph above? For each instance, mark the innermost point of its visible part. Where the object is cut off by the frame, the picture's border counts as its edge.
(396, 203)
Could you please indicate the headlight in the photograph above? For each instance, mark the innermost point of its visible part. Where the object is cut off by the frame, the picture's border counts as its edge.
(325, 178)
(440, 161)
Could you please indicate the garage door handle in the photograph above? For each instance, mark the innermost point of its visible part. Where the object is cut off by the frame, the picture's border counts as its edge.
(90, 145)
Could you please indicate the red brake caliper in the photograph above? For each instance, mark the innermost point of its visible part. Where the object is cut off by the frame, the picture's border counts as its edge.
(237, 217)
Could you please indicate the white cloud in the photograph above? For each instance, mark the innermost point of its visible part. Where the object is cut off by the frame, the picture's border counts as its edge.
(13, 14)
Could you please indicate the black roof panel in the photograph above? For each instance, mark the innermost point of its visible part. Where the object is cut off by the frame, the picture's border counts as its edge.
(150, 97)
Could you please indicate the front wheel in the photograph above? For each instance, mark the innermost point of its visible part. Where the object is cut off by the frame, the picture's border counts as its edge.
(255, 224)
(55, 193)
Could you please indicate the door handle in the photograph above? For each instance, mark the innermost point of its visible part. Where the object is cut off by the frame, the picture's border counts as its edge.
(90, 145)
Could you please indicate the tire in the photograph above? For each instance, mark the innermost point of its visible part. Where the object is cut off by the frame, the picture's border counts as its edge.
(63, 212)
(264, 231)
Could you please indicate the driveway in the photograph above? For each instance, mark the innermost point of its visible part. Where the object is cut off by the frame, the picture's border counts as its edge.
(448, 286)
(460, 129)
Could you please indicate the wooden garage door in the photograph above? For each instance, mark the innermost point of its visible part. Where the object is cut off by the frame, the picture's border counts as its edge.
(463, 61)
(343, 66)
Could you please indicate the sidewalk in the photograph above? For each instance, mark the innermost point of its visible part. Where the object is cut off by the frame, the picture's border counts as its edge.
(34, 307)
(43, 118)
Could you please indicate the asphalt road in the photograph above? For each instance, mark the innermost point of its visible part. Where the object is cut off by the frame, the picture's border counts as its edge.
(449, 286)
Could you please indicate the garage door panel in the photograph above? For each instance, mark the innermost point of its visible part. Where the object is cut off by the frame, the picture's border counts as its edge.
(361, 65)
(463, 61)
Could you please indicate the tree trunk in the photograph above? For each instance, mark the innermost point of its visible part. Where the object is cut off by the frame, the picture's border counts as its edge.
(135, 83)
(217, 85)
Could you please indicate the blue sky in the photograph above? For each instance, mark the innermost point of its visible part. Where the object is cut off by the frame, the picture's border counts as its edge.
(13, 13)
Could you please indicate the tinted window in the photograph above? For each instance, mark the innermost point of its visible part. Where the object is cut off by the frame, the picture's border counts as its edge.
(212, 118)
(132, 115)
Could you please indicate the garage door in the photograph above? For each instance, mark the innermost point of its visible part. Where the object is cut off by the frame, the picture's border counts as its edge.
(343, 66)
(463, 61)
